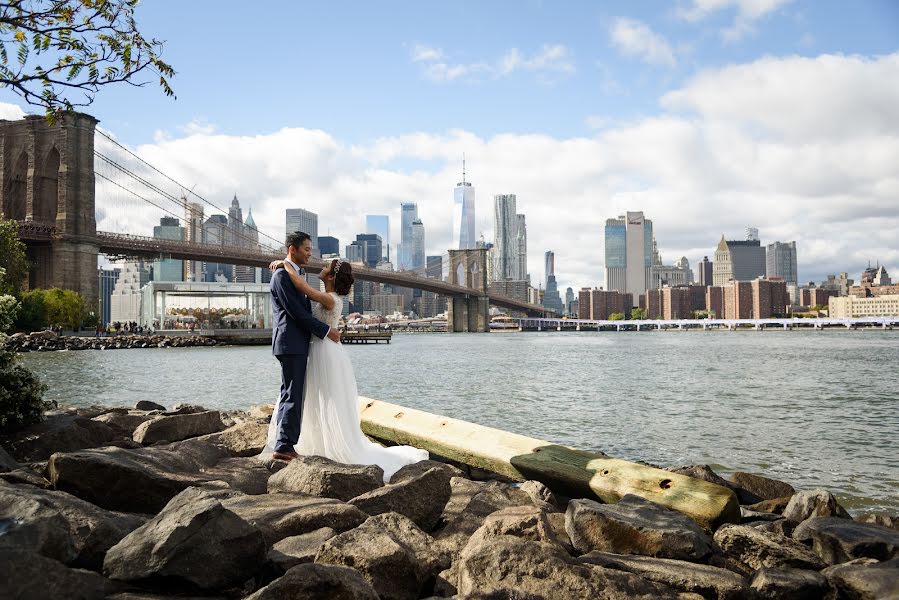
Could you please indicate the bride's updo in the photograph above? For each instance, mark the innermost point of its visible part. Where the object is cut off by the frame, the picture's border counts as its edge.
(343, 277)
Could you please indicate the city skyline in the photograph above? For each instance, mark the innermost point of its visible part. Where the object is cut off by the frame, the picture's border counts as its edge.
(709, 117)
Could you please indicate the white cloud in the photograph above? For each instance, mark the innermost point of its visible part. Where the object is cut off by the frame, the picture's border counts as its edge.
(634, 38)
(10, 112)
(804, 149)
(747, 13)
(551, 58)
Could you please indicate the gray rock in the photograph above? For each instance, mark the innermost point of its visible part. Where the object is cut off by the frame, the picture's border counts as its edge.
(511, 567)
(879, 519)
(242, 439)
(29, 576)
(194, 539)
(540, 495)
(60, 526)
(421, 498)
(526, 522)
(58, 433)
(813, 503)
(780, 526)
(184, 408)
(174, 428)
(408, 534)
(391, 568)
(247, 475)
(865, 579)
(418, 468)
(298, 549)
(26, 476)
(776, 505)
(7, 462)
(322, 477)
(759, 549)
(279, 516)
(709, 582)
(126, 422)
(147, 405)
(705, 473)
(317, 582)
(752, 488)
(141, 480)
(788, 584)
(838, 540)
(635, 526)
(747, 515)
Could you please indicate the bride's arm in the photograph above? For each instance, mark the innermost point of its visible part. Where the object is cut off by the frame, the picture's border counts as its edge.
(326, 300)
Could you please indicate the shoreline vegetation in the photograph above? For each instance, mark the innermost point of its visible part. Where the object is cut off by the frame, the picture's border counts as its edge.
(147, 502)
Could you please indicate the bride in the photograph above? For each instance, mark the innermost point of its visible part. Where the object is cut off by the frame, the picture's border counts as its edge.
(330, 423)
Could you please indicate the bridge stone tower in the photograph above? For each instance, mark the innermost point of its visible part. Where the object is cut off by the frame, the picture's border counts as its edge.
(47, 178)
(470, 313)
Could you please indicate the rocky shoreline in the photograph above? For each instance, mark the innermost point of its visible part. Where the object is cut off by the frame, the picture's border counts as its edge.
(146, 503)
(47, 341)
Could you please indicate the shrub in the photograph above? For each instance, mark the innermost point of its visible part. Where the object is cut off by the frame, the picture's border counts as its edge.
(21, 394)
(33, 313)
(9, 309)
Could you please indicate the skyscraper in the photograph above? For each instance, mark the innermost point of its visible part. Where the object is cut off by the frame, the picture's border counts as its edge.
(417, 258)
(248, 239)
(300, 219)
(168, 269)
(193, 233)
(215, 231)
(505, 238)
(408, 215)
(522, 238)
(328, 245)
(781, 262)
(379, 224)
(738, 260)
(464, 214)
(704, 269)
(371, 248)
(551, 298)
(629, 252)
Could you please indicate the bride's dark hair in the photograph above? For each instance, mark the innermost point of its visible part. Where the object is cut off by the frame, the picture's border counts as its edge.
(343, 278)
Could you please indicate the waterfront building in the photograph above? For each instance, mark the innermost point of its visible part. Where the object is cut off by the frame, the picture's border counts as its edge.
(781, 262)
(598, 305)
(417, 247)
(669, 276)
(328, 245)
(816, 296)
(408, 215)
(583, 303)
(107, 279)
(387, 304)
(714, 301)
(517, 289)
(872, 306)
(379, 224)
(505, 238)
(628, 253)
(840, 283)
(738, 300)
(464, 214)
(168, 269)
(738, 260)
(193, 233)
(704, 271)
(216, 231)
(769, 298)
(170, 305)
(551, 298)
(125, 299)
(574, 308)
(362, 294)
(669, 303)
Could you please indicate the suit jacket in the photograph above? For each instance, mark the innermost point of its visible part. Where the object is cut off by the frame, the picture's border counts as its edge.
(292, 315)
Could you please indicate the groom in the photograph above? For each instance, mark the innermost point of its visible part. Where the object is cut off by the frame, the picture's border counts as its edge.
(291, 332)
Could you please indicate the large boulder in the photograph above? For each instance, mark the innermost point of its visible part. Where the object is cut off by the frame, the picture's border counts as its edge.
(813, 503)
(28, 576)
(7, 462)
(788, 584)
(245, 474)
(865, 579)
(512, 567)
(527, 522)
(126, 422)
(879, 519)
(758, 549)
(60, 526)
(26, 476)
(751, 488)
(315, 582)
(279, 516)
(635, 526)
(141, 480)
(242, 439)
(194, 539)
(421, 498)
(320, 476)
(542, 497)
(418, 468)
(298, 549)
(840, 540)
(148, 405)
(708, 581)
(177, 427)
(59, 432)
(412, 537)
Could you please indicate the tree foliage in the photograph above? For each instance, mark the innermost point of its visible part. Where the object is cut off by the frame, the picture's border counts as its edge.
(616, 317)
(12, 258)
(58, 53)
(638, 314)
(55, 306)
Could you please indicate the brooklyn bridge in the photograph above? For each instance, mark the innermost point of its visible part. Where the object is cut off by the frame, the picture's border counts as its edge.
(50, 175)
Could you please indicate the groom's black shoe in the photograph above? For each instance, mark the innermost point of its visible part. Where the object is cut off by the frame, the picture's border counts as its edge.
(288, 455)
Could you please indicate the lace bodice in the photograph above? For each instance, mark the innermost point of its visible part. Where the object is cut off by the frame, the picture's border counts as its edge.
(329, 317)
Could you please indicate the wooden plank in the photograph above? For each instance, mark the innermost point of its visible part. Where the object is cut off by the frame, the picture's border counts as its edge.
(572, 472)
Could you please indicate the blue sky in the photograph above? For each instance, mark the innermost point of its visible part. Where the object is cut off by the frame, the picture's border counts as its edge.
(708, 115)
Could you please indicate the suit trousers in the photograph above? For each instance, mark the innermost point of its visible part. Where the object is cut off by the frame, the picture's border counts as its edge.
(290, 408)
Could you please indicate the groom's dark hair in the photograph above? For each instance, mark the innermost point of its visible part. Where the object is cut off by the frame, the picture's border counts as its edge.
(297, 238)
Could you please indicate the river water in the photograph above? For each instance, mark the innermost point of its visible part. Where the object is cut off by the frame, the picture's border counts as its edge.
(813, 408)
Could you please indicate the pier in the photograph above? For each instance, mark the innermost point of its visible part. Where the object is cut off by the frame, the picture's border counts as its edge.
(534, 324)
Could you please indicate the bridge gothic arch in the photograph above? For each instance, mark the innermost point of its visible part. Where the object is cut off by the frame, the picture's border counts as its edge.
(471, 313)
(15, 188)
(46, 194)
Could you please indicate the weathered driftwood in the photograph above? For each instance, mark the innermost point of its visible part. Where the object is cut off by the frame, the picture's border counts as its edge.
(573, 472)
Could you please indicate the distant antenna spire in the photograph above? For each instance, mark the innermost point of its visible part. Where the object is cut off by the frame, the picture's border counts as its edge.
(463, 167)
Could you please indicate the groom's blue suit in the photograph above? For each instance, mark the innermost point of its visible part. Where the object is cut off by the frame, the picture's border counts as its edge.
(291, 331)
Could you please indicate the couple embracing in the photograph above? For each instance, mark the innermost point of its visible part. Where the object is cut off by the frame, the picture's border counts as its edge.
(317, 413)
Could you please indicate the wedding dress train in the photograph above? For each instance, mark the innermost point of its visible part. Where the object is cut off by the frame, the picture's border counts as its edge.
(330, 425)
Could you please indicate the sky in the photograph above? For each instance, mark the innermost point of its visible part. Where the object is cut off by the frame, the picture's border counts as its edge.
(709, 116)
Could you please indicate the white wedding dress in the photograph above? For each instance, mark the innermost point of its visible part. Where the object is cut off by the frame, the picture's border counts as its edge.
(330, 425)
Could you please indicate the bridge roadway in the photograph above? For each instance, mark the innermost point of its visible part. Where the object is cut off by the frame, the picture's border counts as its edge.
(541, 324)
(120, 244)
